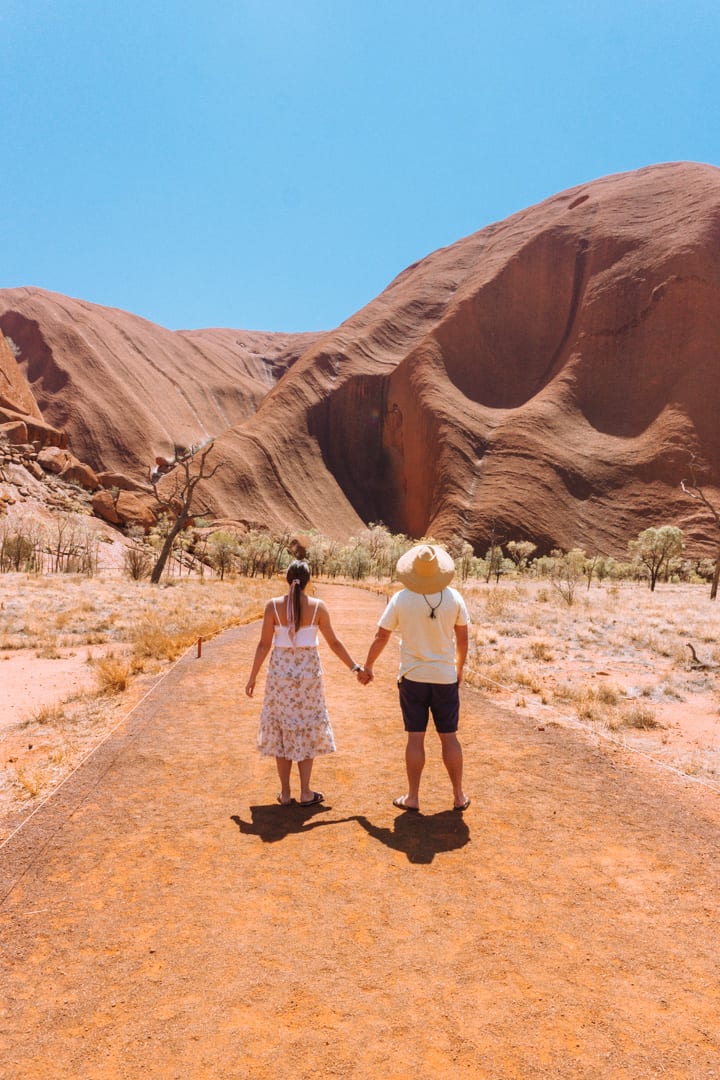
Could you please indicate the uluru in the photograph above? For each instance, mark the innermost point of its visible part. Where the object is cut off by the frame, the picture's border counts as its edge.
(550, 377)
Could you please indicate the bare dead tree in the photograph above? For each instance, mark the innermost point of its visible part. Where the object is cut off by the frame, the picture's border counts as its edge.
(693, 489)
(176, 502)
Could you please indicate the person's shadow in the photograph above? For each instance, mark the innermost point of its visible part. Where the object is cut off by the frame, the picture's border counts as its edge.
(419, 836)
(274, 822)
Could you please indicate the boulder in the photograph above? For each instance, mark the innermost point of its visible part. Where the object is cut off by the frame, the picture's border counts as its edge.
(53, 459)
(15, 431)
(34, 469)
(122, 482)
(38, 431)
(103, 506)
(133, 511)
(125, 509)
(76, 472)
(65, 465)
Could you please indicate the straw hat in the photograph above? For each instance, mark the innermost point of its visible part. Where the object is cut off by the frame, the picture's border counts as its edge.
(425, 568)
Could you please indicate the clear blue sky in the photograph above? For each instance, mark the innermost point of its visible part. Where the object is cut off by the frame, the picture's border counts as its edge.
(273, 165)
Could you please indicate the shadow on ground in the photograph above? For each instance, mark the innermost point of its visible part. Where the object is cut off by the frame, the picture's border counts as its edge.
(418, 836)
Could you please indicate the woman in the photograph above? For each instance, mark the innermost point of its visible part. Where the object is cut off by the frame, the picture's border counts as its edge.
(294, 722)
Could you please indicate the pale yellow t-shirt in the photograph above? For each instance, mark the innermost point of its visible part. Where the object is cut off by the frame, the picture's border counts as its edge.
(427, 645)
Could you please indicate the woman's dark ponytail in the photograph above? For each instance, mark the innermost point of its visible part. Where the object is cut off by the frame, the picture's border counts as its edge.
(298, 575)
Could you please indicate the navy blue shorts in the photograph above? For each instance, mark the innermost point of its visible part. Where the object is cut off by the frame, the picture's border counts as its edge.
(419, 699)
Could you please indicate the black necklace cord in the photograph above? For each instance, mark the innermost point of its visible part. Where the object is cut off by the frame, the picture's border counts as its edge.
(433, 609)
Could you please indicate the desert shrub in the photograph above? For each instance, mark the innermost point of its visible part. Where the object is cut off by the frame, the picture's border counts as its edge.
(137, 562)
(608, 694)
(497, 602)
(158, 636)
(30, 781)
(18, 552)
(540, 650)
(637, 716)
(46, 714)
(520, 551)
(112, 674)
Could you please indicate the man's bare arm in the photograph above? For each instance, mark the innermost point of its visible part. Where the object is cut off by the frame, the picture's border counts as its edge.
(377, 645)
(461, 649)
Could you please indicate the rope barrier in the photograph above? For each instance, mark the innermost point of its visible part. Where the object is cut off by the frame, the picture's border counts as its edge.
(571, 722)
(93, 750)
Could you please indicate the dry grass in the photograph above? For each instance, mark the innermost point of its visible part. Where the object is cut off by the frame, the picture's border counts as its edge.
(113, 674)
(30, 781)
(124, 630)
(60, 613)
(616, 660)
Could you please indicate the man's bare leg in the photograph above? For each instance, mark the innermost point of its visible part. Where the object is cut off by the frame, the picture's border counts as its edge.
(414, 763)
(452, 756)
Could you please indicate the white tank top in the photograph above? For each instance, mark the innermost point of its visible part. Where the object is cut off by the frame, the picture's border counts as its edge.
(305, 638)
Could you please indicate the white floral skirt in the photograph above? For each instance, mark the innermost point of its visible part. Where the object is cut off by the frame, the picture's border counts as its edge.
(294, 722)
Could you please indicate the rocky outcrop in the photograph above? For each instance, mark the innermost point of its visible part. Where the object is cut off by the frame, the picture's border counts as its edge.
(125, 390)
(64, 464)
(39, 433)
(123, 508)
(25, 482)
(15, 394)
(546, 378)
(15, 431)
(122, 482)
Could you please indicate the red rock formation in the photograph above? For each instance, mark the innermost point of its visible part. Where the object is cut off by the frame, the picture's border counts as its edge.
(546, 377)
(15, 431)
(543, 378)
(122, 483)
(15, 394)
(38, 431)
(125, 508)
(126, 390)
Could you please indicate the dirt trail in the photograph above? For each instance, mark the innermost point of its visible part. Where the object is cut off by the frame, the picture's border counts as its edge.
(162, 917)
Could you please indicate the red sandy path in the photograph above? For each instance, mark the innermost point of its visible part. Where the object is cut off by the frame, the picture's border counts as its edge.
(162, 917)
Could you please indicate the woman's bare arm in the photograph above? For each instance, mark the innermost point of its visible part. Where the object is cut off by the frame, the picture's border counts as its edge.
(263, 648)
(331, 637)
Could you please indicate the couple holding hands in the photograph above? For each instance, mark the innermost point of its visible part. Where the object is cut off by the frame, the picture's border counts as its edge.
(432, 621)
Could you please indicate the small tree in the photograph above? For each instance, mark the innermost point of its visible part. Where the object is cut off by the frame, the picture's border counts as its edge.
(567, 568)
(693, 489)
(654, 548)
(177, 504)
(493, 563)
(462, 554)
(520, 552)
(590, 567)
(223, 549)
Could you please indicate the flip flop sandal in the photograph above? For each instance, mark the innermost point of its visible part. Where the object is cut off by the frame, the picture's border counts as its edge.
(317, 797)
(400, 803)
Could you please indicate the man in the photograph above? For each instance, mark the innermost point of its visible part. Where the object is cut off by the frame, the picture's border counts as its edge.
(432, 621)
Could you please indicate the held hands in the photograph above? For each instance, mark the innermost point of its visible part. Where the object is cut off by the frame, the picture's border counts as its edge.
(364, 676)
